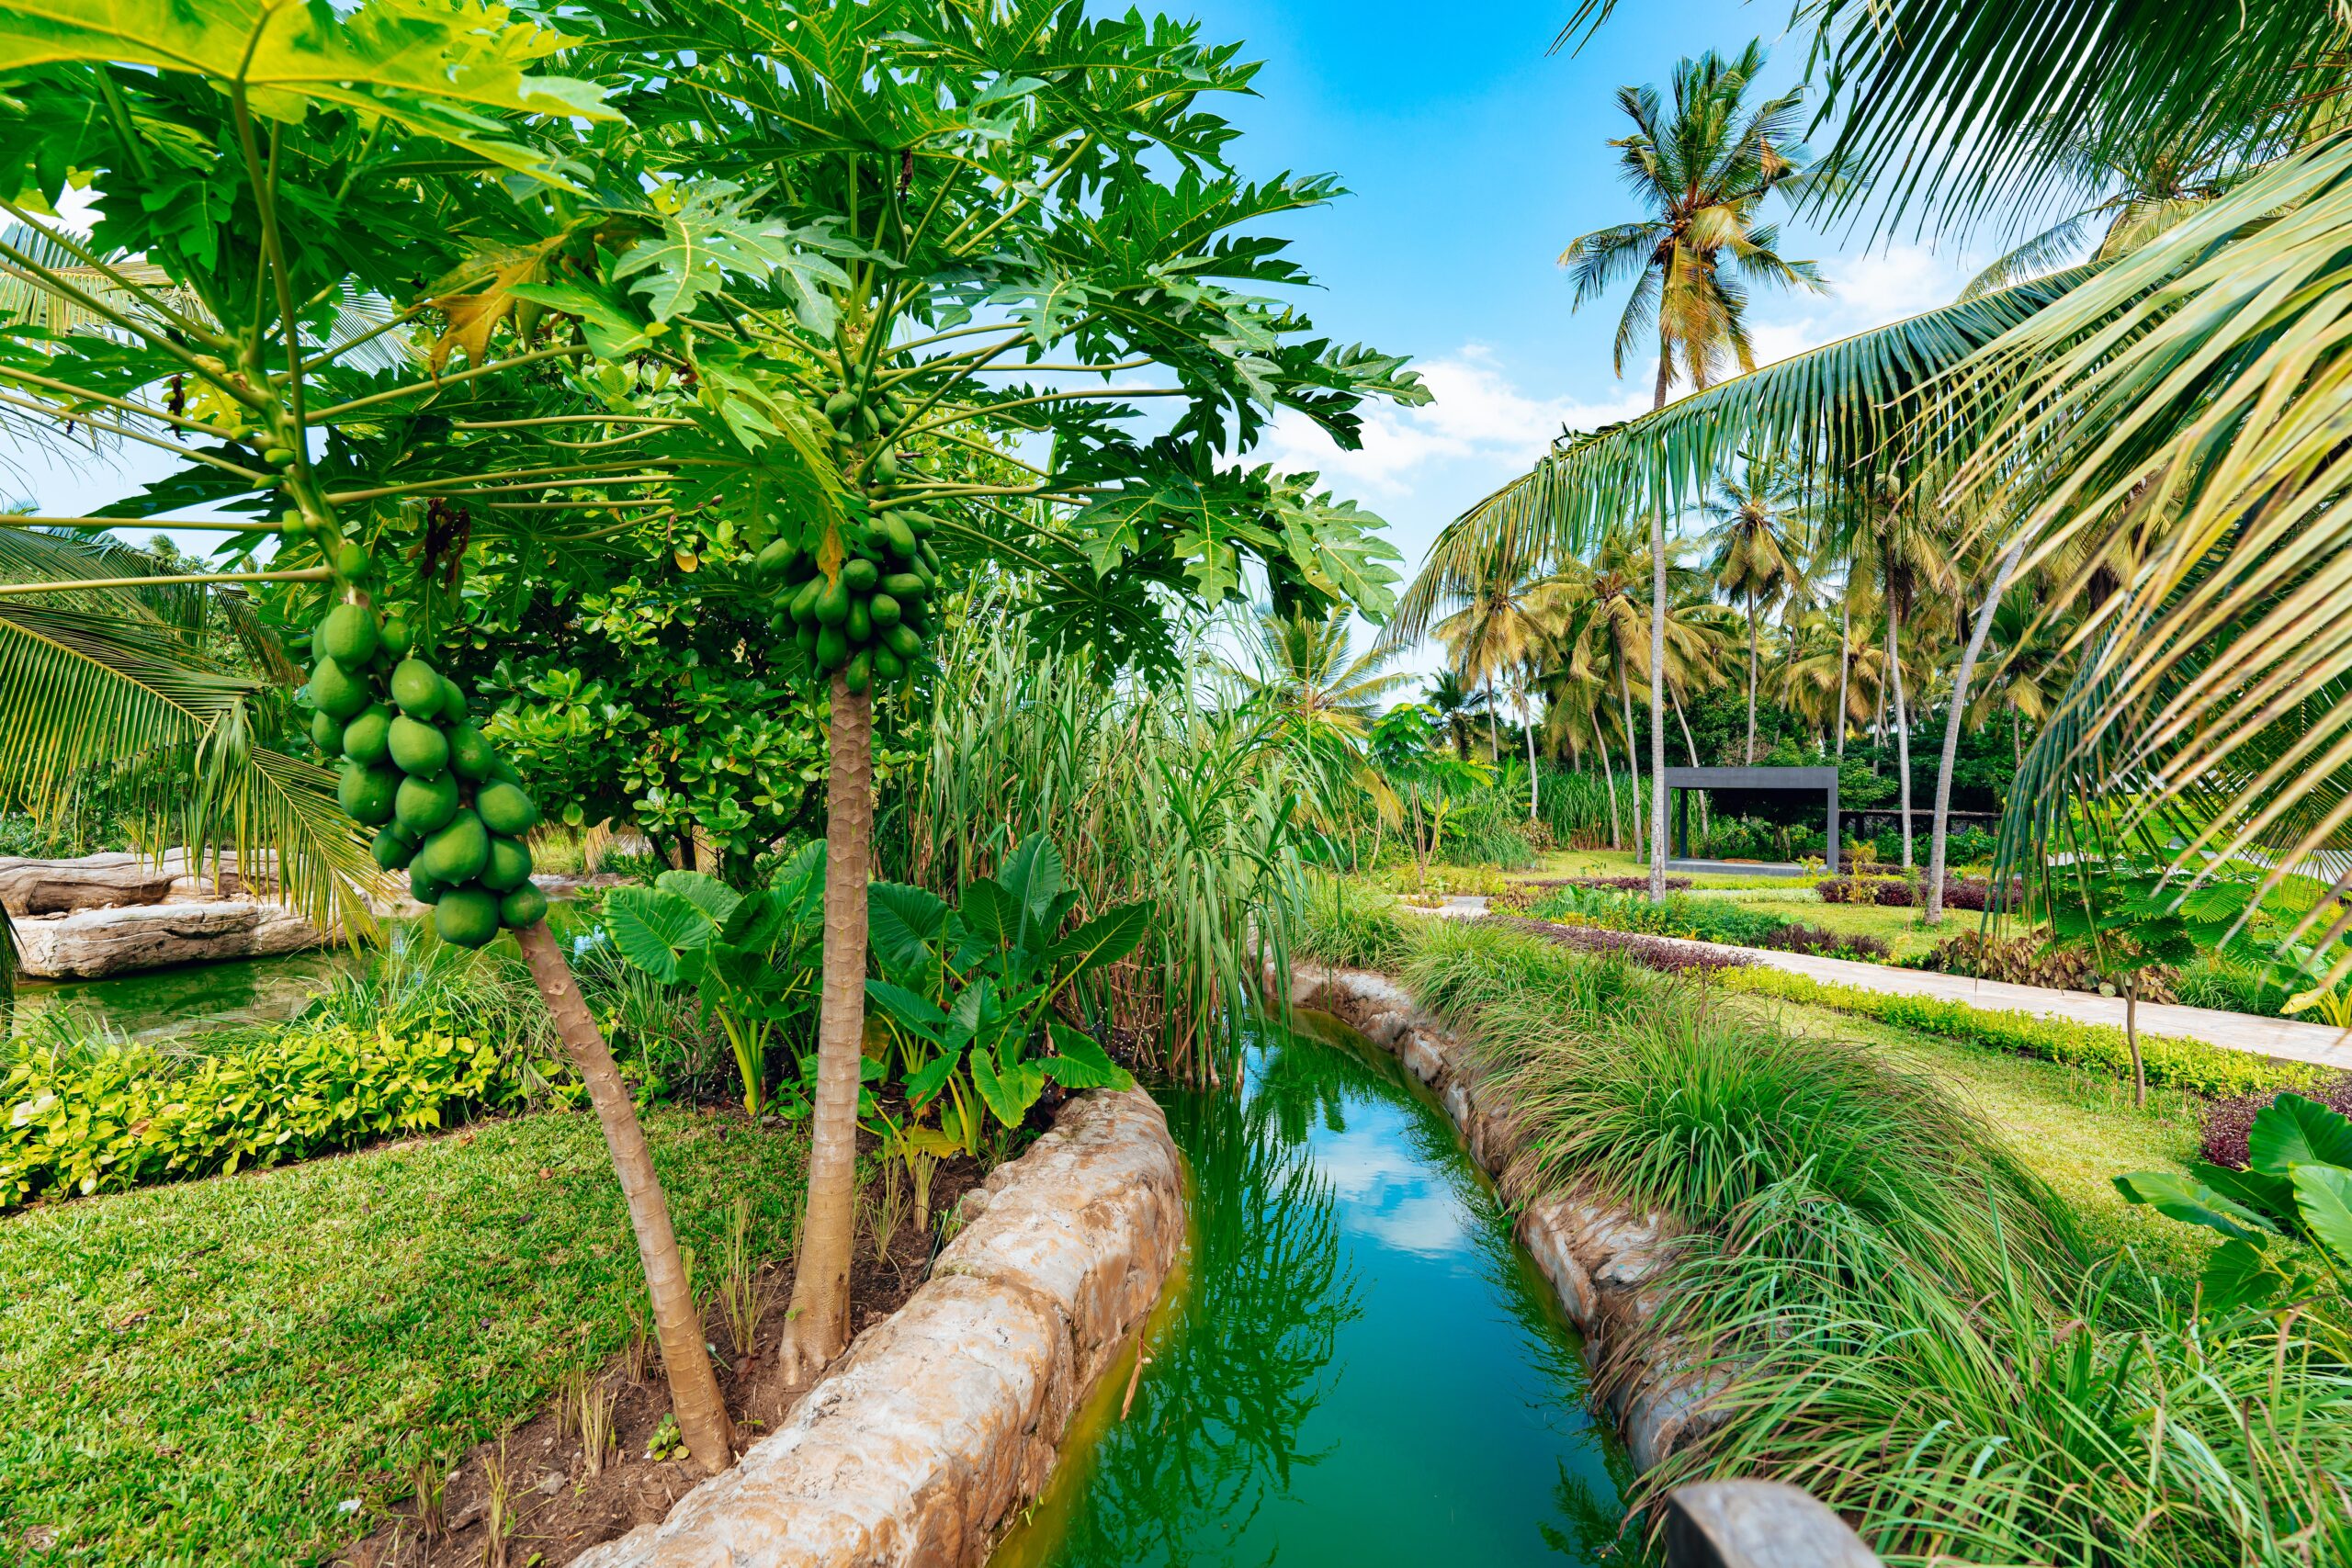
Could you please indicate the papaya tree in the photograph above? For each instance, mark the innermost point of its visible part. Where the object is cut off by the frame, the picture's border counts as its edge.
(1002, 254)
(285, 193)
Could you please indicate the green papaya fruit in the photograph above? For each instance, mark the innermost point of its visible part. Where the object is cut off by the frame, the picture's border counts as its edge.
(348, 636)
(416, 688)
(776, 559)
(887, 666)
(902, 641)
(903, 586)
(832, 650)
(393, 852)
(885, 468)
(458, 852)
(832, 605)
(326, 732)
(804, 637)
(367, 792)
(839, 406)
(929, 557)
(336, 691)
(898, 536)
(398, 637)
(859, 673)
(352, 563)
(466, 916)
(859, 628)
(918, 522)
(418, 748)
(500, 768)
(526, 906)
(367, 738)
(883, 611)
(453, 703)
(860, 576)
(425, 806)
(423, 888)
(506, 809)
(803, 604)
(470, 753)
(509, 867)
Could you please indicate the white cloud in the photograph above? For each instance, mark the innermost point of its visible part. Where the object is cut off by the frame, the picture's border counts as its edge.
(1476, 414)
(1866, 290)
(1387, 1196)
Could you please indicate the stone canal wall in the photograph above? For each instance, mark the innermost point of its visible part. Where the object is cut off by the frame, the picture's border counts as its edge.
(943, 1420)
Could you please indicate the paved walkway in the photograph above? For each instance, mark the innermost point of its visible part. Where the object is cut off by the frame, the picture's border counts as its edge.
(2291, 1039)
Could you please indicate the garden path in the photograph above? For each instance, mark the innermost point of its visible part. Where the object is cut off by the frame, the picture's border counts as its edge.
(2291, 1039)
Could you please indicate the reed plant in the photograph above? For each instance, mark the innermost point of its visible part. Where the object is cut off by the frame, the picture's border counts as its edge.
(1898, 1316)
(1148, 791)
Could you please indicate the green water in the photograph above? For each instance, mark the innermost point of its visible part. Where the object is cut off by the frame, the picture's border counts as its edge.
(1361, 1367)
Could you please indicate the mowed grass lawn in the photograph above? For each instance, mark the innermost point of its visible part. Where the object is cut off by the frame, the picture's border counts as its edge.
(209, 1372)
(2074, 1130)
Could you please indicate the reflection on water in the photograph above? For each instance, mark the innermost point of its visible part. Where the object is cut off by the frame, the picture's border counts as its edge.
(152, 1004)
(1363, 1367)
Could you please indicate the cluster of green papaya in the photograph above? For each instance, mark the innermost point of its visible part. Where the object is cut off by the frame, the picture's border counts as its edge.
(867, 616)
(446, 807)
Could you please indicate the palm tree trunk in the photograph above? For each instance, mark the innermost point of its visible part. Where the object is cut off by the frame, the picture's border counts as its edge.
(1901, 721)
(1657, 707)
(1933, 913)
(1534, 783)
(818, 1325)
(1609, 780)
(1688, 744)
(694, 1390)
(1748, 756)
(1844, 641)
(1494, 735)
(1633, 757)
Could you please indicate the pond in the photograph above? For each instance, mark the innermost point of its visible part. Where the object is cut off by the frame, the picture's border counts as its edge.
(1360, 1366)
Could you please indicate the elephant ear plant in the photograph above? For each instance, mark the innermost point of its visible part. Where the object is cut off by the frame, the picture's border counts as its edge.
(751, 959)
(980, 993)
(2296, 1185)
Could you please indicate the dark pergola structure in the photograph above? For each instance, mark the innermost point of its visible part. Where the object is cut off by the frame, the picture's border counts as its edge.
(1820, 781)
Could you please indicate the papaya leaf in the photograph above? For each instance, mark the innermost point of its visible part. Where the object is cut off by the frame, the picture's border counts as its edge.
(2177, 1197)
(2292, 1131)
(2324, 1195)
(611, 333)
(1082, 1063)
(654, 930)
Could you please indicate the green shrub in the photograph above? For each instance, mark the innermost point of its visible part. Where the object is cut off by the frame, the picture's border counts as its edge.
(1353, 927)
(120, 1115)
(2191, 1064)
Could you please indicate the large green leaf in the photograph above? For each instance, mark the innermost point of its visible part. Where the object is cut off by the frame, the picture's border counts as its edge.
(2323, 1194)
(916, 1012)
(1008, 1089)
(1080, 1063)
(2293, 1131)
(704, 891)
(2177, 1197)
(440, 66)
(1106, 939)
(655, 929)
(905, 924)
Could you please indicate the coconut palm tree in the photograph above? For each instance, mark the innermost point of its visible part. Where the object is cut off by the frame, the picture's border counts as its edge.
(1304, 669)
(1488, 634)
(1452, 703)
(1704, 173)
(1759, 541)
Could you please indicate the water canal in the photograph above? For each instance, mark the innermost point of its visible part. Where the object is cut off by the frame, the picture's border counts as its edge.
(1360, 1368)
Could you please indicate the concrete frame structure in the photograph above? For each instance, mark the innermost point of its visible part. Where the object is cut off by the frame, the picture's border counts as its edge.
(1678, 780)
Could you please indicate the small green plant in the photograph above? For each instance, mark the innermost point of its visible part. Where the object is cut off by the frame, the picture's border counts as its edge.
(742, 1301)
(594, 1422)
(974, 990)
(497, 1509)
(753, 959)
(2296, 1185)
(666, 1443)
(429, 1481)
(886, 1202)
(2133, 918)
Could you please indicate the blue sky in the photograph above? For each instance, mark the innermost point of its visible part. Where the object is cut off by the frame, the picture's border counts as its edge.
(1472, 157)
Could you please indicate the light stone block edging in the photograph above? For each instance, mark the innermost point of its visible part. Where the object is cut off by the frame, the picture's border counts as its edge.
(943, 1419)
(1604, 1262)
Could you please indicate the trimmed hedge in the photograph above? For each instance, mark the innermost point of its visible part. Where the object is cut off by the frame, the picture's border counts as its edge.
(126, 1115)
(2191, 1064)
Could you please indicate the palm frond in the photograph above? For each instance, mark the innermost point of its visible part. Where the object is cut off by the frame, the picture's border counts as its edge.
(1825, 409)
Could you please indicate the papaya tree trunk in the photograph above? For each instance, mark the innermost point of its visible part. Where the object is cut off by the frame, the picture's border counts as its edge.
(685, 1359)
(818, 1325)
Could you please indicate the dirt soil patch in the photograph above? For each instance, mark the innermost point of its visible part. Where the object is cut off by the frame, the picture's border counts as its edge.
(531, 1499)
